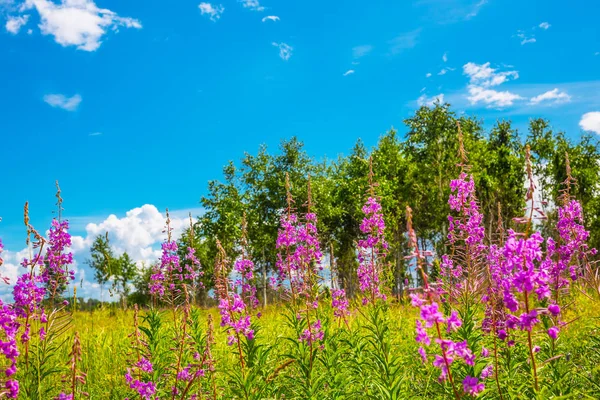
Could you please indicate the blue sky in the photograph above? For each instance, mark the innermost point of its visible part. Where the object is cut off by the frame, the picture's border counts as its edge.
(141, 102)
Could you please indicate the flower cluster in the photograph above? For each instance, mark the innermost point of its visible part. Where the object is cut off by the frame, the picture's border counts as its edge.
(432, 317)
(339, 303)
(371, 251)
(192, 271)
(235, 313)
(245, 269)
(146, 389)
(164, 274)
(465, 231)
(314, 333)
(56, 274)
(8, 347)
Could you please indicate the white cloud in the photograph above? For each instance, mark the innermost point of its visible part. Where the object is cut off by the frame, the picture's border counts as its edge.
(77, 22)
(476, 9)
(349, 72)
(529, 40)
(490, 97)
(61, 101)
(252, 4)
(544, 25)
(285, 50)
(423, 100)
(428, 75)
(443, 71)
(481, 78)
(445, 57)
(361, 51)
(554, 96)
(591, 122)
(213, 11)
(525, 38)
(484, 75)
(404, 41)
(273, 18)
(14, 24)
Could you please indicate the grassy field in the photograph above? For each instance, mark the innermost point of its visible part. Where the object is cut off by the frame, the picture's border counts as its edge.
(373, 356)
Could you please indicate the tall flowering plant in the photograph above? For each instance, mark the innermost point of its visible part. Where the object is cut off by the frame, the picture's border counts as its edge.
(435, 330)
(299, 261)
(372, 249)
(9, 327)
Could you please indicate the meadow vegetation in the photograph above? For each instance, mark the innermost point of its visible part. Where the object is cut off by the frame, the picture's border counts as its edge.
(453, 263)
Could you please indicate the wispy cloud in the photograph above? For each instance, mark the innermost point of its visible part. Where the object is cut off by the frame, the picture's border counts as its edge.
(445, 57)
(553, 96)
(61, 101)
(476, 8)
(544, 25)
(212, 11)
(78, 23)
(14, 24)
(404, 41)
(361, 51)
(423, 100)
(451, 11)
(525, 38)
(591, 122)
(273, 18)
(481, 80)
(428, 75)
(285, 50)
(349, 72)
(252, 4)
(95, 134)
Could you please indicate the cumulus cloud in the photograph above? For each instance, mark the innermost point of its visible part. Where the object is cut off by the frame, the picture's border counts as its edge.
(486, 76)
(252, 4)
(492, 98)
(212, 11)
(349, 72)
(553, 96)
(77, 23)
(14, 24)
(285, 50)
(591, 122)
(61, 101)
(273, 18)
(423, 100)
(428, 75)
(544, 25)
(482, 78)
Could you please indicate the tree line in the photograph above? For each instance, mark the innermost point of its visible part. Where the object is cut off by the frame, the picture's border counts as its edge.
(414, 170)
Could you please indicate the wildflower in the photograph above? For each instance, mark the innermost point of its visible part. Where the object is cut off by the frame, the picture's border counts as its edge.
(472, 386)
(372, 250)
(553, 332)
(339, 303)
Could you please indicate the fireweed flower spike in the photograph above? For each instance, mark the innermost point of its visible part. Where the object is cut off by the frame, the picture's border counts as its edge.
(372, 250)
(235, 314)
(169, 270)
(9, 325)
(432, 318)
